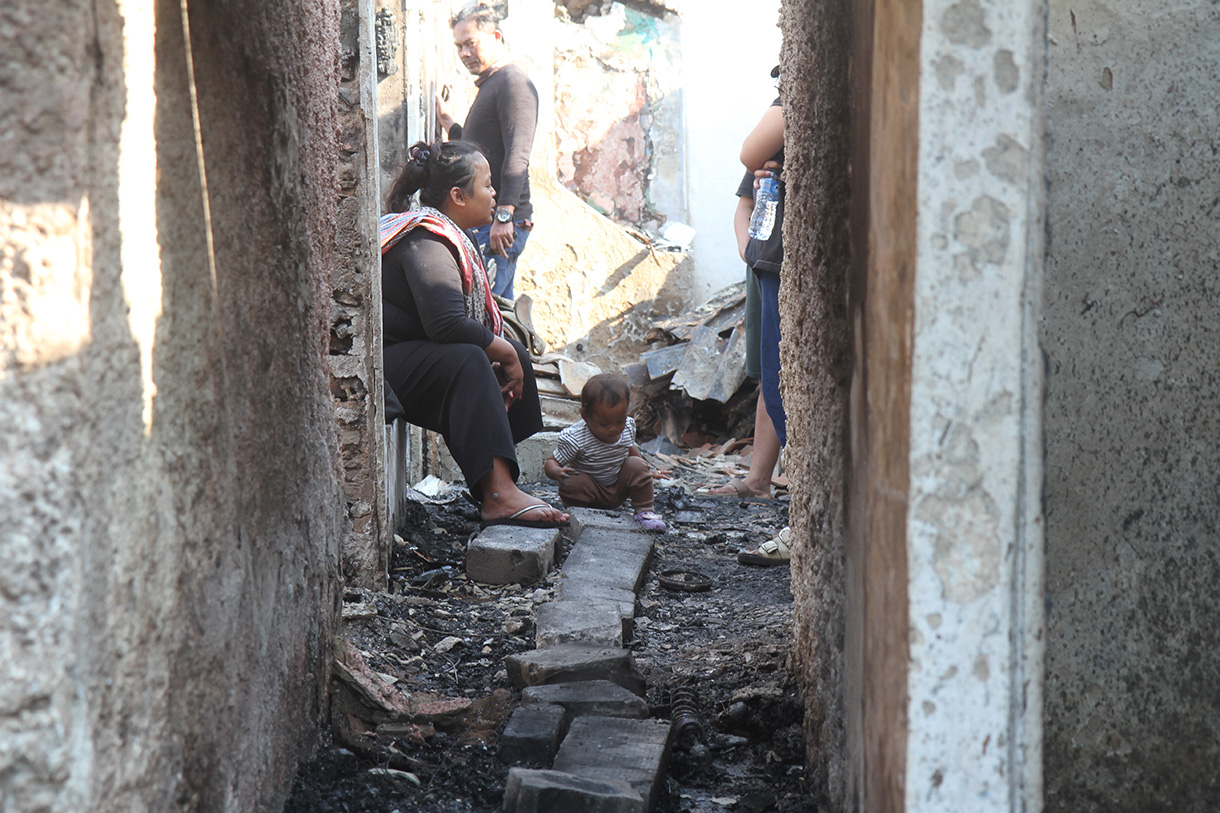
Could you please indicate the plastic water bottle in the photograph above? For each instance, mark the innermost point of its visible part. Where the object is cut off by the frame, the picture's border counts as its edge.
(766, 199)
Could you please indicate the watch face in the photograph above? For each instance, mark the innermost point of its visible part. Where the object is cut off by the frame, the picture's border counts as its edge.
(503, 215)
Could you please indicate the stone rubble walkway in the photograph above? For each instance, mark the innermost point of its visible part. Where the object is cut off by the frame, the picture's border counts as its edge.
(583, 716)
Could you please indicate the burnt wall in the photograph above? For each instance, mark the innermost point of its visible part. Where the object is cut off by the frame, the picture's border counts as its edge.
(169, 490)
(816, 362)
(1130, 337)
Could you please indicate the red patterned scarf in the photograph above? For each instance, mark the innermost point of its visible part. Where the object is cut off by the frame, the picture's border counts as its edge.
(476, 290)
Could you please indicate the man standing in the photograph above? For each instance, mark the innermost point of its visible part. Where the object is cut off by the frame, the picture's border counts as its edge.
(501, 122)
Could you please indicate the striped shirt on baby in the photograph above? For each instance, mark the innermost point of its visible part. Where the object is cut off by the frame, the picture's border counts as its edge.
(577, 448)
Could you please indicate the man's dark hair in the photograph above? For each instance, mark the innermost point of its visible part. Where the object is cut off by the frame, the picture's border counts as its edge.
(484, 16)
(605, 389)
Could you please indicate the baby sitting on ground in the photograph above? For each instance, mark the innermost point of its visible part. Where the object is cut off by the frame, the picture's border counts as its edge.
(595, 460)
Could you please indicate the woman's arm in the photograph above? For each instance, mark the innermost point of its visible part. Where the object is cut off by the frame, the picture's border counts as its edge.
(765, 140)
(741, 224)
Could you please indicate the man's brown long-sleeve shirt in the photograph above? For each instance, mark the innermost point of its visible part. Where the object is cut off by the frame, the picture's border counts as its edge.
(501, 123)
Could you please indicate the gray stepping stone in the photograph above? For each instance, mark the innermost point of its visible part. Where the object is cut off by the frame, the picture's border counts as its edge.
(595, 518)
(577, 589)
(533, 733)
(505, 554)
(615, 750)
(609, 566)
(595, 623)
(570, 663)
(534, 791)
(589, 697)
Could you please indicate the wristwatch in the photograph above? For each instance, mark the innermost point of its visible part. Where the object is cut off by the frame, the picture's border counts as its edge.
(504, 215)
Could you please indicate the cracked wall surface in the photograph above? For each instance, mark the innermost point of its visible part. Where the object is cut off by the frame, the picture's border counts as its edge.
(168, 490)
(1130, 337)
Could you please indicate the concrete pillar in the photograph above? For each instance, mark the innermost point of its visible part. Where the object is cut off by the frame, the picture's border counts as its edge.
(974, 534)
(912, 382)
(355, 332)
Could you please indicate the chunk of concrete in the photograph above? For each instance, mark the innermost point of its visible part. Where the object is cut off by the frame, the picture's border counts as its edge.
(589, 697)
(532, 454)
(570, 663)
(577, 589)
(533, 733)
(535, 791)
(506, 554)
(607, 565)
(597, 518)
(607, 749)
(595, 623)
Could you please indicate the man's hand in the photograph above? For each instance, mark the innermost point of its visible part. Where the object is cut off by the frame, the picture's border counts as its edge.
(501, 237)
(443, 114)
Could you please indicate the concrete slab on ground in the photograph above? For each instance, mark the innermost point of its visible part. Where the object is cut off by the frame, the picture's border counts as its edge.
(600, 519)
(591, 622)
(638, 541)
(532, 454)
(605, 565)
(506, 554)
(578, 589)
(599, 698)
(535, 791)
(533, 733)
(616, 750)
(570, 663)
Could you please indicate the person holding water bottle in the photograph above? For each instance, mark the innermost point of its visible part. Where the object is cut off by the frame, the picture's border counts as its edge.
(762, 153)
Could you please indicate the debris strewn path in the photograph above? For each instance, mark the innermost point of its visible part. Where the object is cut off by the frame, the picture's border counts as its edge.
(707, 669)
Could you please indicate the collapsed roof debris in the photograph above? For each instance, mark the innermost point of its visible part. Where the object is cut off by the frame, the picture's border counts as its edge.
(581, 10)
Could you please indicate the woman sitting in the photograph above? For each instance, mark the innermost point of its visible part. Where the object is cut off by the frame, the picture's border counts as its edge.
(446, 357)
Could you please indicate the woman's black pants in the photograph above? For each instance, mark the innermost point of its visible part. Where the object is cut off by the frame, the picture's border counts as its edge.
(452, 389)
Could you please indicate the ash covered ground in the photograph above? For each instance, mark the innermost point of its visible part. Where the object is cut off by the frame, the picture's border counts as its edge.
(722, 653)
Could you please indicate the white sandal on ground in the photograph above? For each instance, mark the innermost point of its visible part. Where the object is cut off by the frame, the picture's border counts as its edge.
(771, 553)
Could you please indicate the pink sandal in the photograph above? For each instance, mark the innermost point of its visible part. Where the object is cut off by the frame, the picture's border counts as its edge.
(650, 521)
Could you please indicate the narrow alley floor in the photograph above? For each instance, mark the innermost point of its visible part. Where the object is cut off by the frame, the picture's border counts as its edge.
(721, 653)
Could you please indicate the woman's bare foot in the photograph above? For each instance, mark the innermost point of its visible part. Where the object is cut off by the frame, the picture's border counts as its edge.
(742, 487)
(502, 499)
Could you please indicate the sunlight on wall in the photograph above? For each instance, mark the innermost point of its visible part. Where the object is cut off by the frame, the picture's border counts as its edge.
(44, 311)
(141, 255)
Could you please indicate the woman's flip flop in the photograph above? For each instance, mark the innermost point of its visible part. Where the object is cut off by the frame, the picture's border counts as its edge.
(515, 519)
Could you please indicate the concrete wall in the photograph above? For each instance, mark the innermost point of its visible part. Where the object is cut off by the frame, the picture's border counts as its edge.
(728, 51)
(168, 491)
(355, 321)
(816, 363)
(1133, 656)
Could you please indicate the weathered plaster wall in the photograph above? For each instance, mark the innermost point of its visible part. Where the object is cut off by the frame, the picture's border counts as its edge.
(355, 320)
(1133, 650)
(168, 490)
(727, 57)
(974, 534)
(816, 363)
(618, 116)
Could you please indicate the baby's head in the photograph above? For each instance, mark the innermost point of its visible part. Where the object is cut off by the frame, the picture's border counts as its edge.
(603, 405)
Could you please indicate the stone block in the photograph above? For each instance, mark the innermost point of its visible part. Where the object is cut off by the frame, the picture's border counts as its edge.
(596, 518)
(595, 623)
(578, 589)
(532, 454)
(533, 733)
(534, 791)
(570, 663)
(607, 565)
(590, 697)
(505, 554)
(607, 749)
